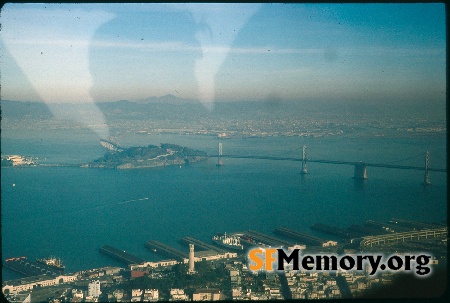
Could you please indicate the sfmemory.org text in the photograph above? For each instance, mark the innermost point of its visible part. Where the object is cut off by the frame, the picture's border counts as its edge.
(270, 259)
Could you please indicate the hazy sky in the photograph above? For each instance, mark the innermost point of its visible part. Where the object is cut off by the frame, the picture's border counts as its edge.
(108, 52)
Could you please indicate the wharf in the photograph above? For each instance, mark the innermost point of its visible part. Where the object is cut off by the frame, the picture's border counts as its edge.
(201, 245)
(305, 238)
(166, 250)
(387, 226)
(120, 255)
(252, 238)
(363, 231)
(415, 225)
(30, 268)
(336, 231)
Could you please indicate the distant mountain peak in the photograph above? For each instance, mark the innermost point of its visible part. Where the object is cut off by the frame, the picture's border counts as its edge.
(169, 98)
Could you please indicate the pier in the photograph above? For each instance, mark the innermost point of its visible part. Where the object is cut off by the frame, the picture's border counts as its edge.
(414, 224)
(366, 230)
(411, 235)
(304, 238)
(386, 226)
(200, 245)
(256, 238)
(30, 268)
(166, 250)
(120, 255)
(333, 230)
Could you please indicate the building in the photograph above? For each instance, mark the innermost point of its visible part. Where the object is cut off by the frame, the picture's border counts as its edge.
(109, 270)
(150, 295)
(139, 272)
(136, 295)
(91, 299)
(19, 160)
(21, 298)
(210, 255)
(118, 294)
(177, 294)
(205, 294)
(77, 296)
(329, 243)
(149, 265)
(94, 289)
(24, 284)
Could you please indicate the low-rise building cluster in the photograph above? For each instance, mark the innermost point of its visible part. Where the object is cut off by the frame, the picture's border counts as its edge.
(113, 284)
(312, 285)
(247, 285)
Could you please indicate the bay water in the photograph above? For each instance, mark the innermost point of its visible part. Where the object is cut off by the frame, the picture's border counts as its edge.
(70, 212)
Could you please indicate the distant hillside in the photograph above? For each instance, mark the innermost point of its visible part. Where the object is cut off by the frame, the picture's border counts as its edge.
(170, 107)
(17, 109)
(167, 99)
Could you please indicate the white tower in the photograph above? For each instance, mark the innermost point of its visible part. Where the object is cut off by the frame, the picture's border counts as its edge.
(304, 168)
(426, 179)
(191, 259)
(219, 158)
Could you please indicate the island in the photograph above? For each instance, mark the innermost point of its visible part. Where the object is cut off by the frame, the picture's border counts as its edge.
(17, 160)
(150, 156)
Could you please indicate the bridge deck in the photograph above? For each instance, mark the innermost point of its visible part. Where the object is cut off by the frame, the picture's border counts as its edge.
(443, 170)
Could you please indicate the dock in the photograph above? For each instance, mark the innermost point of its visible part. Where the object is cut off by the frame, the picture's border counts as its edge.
(30, 268)
(333, 230)
(200, 245)
(304, 238)
(166, 250)
(363, 231)
(415, 225)
(387, 226)
(254, 238)
(120, 255)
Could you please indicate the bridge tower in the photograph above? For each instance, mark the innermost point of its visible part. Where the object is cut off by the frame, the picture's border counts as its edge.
(426, 178)
(219, 158)
(360, 171)
(304, 168)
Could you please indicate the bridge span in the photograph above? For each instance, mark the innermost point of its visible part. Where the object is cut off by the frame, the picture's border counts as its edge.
(442, 170)
(410, 235)
(360, 167)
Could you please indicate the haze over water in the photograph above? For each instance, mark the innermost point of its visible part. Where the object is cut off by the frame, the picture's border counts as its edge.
(71, 212)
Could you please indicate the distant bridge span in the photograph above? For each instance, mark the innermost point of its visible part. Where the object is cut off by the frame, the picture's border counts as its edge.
(442, 170)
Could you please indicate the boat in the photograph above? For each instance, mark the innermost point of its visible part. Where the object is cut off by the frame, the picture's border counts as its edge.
(52, 262)
(230, 241)
(250, 242)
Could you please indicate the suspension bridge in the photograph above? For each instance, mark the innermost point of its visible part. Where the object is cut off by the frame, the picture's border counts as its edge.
(360, 167)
